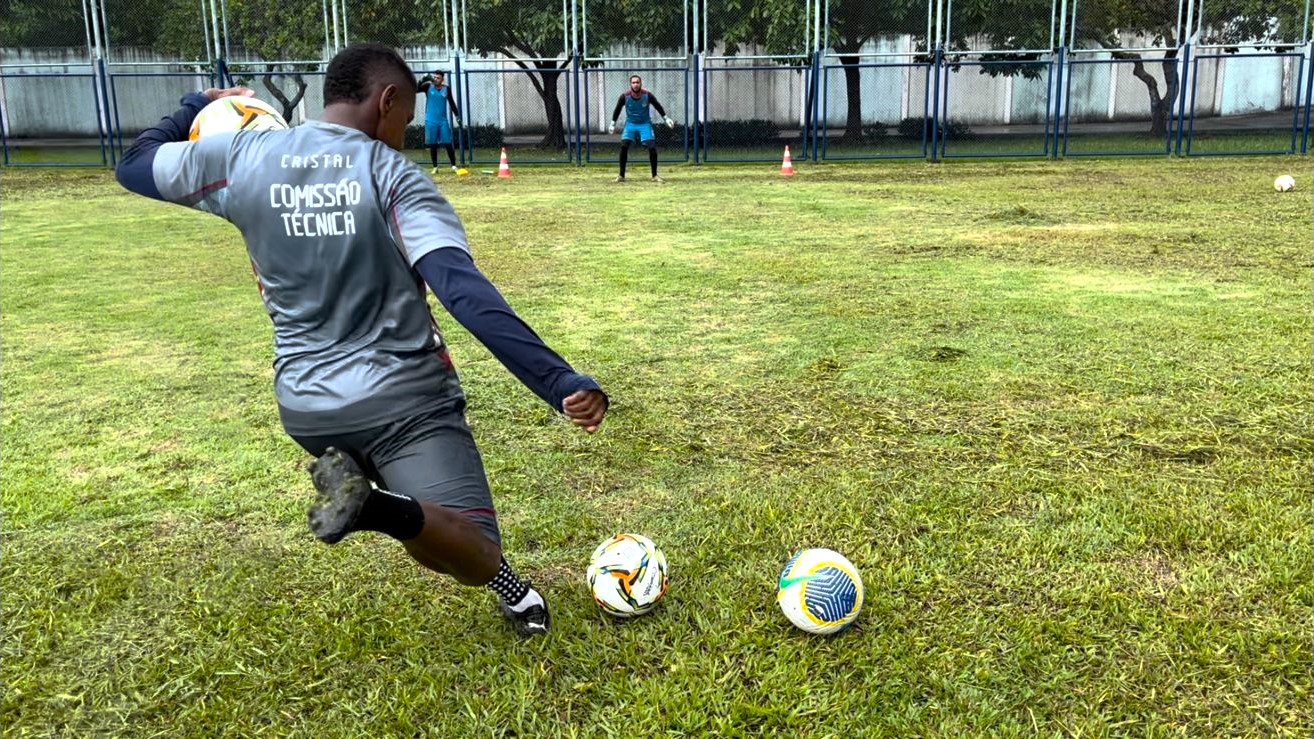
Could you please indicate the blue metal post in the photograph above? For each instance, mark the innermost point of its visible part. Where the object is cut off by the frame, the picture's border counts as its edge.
(579, 90)
(1309, 106)
(934, 122)
(1061, 100)
(697, 107)
(1190, 128)
(688, 123)
(4, 139)
(461, 132)
(105, 124)
(118, 121)
(1295, 116)
(467, 140)
(587, 133)
(1067, 117)
(820, 105)
(1187, 78)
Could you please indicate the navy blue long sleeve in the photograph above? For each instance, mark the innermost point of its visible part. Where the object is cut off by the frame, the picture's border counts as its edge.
(135, 169)
(473, 301)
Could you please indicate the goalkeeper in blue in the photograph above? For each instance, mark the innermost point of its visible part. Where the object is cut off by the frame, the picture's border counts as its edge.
(438, 97)
(638, 124)
(343, 232)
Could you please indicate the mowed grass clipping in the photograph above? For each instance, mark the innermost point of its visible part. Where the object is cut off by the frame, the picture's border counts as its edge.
(1057, 414)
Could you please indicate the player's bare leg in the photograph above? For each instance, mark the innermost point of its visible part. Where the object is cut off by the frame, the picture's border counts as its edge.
(436, 537)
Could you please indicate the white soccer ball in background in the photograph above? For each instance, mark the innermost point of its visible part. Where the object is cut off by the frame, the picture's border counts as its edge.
(235, 113)
(627, 575)
(820, 591)
(1285, 183)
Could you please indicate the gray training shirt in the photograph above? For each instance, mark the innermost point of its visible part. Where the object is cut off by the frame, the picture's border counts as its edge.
(334, 222)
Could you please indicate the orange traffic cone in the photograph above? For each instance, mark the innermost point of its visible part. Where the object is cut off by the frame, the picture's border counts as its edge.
(787, 166)
(504, 169)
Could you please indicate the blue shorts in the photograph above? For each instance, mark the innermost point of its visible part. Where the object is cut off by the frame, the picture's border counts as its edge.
(641, 132)
(437, 133)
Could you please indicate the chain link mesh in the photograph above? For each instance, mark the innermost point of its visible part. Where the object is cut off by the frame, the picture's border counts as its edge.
(777, 29)
(160, 33)
(1264, 23)
(635, 29)
(42, 32)
(995, 26)
(1095, 25)
(1120, 91)
(1244, 104)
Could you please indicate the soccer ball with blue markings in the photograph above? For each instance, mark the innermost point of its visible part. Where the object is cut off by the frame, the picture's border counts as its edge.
(627, 575)
(235, 113)
(820, 591)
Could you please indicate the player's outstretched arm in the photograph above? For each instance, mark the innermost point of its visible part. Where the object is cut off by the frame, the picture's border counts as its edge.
(473, 301)
(135, 170)
(652, 100)
(451, 101)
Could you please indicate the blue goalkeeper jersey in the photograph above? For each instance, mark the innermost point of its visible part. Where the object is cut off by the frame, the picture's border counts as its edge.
(435, 99)
(636, 108)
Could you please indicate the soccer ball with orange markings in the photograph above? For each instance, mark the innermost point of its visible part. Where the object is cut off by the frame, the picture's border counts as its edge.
(627, 575)
(235, 113)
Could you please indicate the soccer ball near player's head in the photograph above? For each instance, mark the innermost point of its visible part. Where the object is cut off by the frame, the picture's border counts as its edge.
(373, 88)
(636, 84)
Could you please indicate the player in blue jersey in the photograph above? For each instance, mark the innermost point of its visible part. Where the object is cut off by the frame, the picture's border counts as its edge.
(343, 232)
(638, 124)
(437, 98)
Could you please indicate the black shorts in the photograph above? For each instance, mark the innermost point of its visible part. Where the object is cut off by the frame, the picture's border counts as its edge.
(431, 457)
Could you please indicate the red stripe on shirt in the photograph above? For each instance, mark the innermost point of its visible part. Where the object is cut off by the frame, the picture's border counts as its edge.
(207, 189)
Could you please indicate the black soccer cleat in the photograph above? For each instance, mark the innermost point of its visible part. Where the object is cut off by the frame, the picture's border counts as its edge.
(343, 490)
(532, 621)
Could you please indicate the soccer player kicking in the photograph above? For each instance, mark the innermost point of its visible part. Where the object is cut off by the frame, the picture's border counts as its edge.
(341, 227)
(638, 124)
(437, 96)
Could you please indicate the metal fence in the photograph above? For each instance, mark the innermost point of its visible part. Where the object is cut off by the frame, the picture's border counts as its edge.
(832, 79)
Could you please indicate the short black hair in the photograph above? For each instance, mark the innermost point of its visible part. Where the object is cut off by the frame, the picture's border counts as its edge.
(634, 77)
(355, 70)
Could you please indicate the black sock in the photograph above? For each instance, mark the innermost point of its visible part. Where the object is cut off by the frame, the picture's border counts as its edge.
(451, 155)
(398, 516)
(433, 154)
(652, 159)
(508, 586)
(625, 155)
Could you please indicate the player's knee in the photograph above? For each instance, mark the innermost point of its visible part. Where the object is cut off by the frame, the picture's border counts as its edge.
(625, 144)
(650, 144)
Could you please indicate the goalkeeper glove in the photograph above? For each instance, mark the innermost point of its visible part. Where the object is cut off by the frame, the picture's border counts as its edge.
(670, 123)
(611, 127)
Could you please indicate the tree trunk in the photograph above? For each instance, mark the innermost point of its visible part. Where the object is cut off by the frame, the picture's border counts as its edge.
(556, 133)
(853, 94)
(289, 104)
(1161, 106)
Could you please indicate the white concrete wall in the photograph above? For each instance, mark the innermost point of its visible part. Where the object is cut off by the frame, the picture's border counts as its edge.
(66, 106)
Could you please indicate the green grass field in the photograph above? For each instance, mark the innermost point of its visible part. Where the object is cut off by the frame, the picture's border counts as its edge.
(1058, 414)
